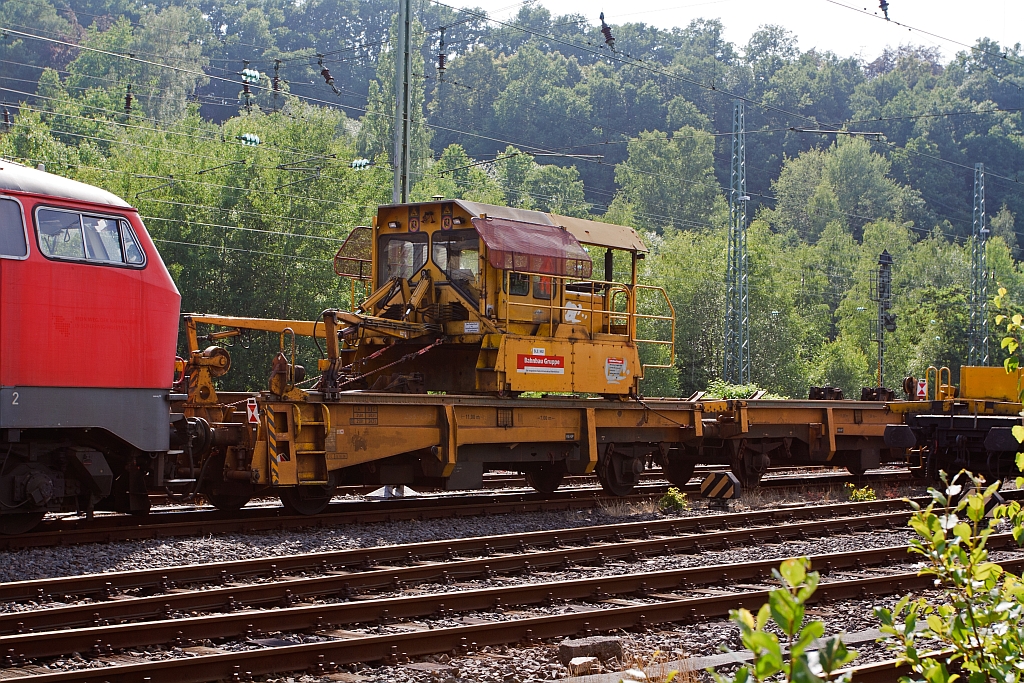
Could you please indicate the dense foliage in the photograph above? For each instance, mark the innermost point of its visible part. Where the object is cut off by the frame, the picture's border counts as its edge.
(250, 230)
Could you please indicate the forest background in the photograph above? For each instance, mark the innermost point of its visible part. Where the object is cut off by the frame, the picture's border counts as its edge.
(538, 112)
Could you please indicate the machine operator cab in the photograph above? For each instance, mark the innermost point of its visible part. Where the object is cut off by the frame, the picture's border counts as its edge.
(500, 301)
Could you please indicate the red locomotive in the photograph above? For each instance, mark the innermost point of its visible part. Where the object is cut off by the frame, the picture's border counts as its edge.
(88, 322)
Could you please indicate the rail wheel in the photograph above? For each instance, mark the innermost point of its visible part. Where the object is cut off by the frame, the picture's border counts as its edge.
(546, 478)
(19, 522)
(619, 474)
(749, 476)
(308, 500)
(229, 502)
(678, 472)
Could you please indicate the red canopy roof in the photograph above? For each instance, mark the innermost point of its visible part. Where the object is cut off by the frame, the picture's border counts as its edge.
(532, 247)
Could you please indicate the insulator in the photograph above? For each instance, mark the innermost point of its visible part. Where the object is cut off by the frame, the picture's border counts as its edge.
(607, 32)
(441, 58)
(128, 100)
(7, 118)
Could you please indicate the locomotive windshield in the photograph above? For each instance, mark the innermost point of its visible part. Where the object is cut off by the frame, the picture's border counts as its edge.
(72, 235)
(401, 256)
(457, 254)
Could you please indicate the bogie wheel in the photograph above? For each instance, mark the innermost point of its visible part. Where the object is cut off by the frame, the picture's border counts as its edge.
(617, 473)
(309, 499)
(19, 522)
(228, 502)
(749, 478)
(546, 478)
(678, 472)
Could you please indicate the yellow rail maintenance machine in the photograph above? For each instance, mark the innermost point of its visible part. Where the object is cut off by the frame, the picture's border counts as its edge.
(484, 342)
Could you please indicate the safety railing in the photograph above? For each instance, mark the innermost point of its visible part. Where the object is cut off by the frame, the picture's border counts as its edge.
(937, 390)
(670, 318)
(610, 306)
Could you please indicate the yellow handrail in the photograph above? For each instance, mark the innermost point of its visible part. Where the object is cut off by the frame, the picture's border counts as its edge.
(609, 293)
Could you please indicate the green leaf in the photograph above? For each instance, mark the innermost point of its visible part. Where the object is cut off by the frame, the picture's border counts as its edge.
(833, 655)
(1018, 433)
(786, 612)
(808, 633)
(794, 571)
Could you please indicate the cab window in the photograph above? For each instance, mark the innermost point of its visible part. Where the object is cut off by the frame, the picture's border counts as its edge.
(79, 236)
(12, 230)
(401, 256)
(543, 287)
(457, 254)
(518, 284)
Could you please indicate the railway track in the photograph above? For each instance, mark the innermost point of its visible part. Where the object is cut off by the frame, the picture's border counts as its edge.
(392, 628)
(377, 604)
(191, 521)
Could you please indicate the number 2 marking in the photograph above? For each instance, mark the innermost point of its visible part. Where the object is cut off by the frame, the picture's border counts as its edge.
(16, 397)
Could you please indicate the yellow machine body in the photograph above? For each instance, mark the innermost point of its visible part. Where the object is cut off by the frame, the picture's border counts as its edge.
(508, 300)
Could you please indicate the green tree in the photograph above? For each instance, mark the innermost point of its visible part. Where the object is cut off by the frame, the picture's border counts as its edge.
(556, 189)
(670, 181)
(377, 126)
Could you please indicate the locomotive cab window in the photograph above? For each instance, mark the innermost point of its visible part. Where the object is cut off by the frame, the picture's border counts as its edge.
(102, 239)
(401, 256)
(518, 284)
(457, 254)
(12, 230)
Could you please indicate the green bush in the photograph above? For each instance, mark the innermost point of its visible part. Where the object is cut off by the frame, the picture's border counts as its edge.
(791, 659)
(674, 500)
(858, 495)
(976, 626)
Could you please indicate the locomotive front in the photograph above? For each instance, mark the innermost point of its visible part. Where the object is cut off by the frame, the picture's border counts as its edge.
(88, 323)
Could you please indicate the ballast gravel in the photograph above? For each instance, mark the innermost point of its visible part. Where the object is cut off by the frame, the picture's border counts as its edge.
(37, 563)
(523, 664)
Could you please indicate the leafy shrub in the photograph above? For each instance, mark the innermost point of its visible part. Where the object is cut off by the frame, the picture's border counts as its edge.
(858, 495)
(785, 607)
(720, 389)
(977, 626)
(674, 500)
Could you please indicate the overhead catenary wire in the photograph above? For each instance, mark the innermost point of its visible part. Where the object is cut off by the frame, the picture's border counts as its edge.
(465, 132)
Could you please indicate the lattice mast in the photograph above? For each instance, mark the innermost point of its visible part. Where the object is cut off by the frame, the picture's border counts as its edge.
(881, 293)
(978, 353)
(736, 365)
(403, 73)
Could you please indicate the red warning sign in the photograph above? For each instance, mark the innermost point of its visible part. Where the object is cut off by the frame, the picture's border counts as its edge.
(922, 388)
(252, 412)
(540, 365)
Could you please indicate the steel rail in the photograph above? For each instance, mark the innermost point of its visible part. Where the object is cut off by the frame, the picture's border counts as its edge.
(169, 524)
(105, 583)
(183, 631)
(325, 656)
(287, 590)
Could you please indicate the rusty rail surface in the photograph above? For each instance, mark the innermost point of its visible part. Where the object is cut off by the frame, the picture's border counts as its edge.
(177, 523)
(325, 656)
(161, 578)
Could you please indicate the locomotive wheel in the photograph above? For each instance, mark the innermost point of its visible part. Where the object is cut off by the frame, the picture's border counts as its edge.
(678, 472)
(546, 478)
(19, 522)
(615, 472)
(227, 501)
(308, 500)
